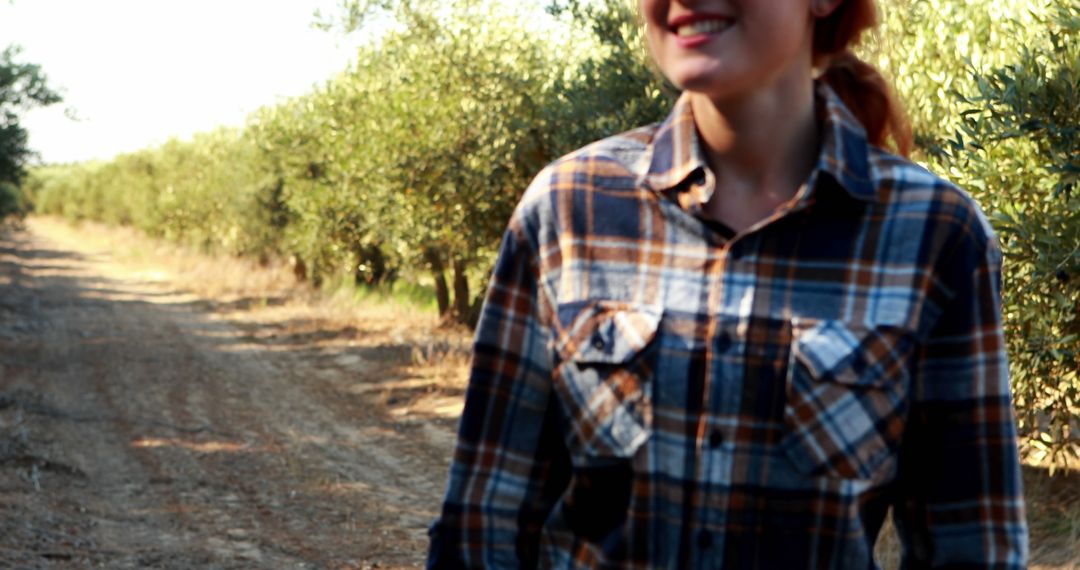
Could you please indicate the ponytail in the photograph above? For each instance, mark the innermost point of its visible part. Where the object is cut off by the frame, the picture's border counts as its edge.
(860, 85)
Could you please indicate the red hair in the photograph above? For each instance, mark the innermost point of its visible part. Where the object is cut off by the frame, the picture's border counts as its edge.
(859, 84)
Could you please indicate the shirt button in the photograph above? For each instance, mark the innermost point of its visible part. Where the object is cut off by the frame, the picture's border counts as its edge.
(723, 342)
(598, 342)
(704, 539)
(716, 438)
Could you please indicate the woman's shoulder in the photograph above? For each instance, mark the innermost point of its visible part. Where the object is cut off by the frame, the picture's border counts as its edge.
(604, 174)
(614, 162)
(908, 189)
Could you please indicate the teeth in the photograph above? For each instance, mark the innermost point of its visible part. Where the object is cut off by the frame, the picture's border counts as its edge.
(703, 27)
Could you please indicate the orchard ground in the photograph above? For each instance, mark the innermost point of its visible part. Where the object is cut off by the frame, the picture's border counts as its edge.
(160, 408)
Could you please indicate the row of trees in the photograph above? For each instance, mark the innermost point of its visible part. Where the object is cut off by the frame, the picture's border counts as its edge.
(411, 160)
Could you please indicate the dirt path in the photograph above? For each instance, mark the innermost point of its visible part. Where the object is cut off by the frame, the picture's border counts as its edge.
(142, 427)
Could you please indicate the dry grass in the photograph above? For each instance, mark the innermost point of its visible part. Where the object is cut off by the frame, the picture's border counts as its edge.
(887, 550)
(1053, 504)
(212, 277)
(428, 358)
(231, 280)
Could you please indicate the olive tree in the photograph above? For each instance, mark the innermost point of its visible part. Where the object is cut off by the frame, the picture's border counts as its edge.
(23, 86)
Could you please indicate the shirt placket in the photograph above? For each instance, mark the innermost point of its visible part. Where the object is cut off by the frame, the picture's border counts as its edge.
(725, 384)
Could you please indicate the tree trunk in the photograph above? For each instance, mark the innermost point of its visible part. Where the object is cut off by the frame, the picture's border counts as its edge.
(461, 292)
(299, 268)
(377, 261)
(373, 260)
(442, 291)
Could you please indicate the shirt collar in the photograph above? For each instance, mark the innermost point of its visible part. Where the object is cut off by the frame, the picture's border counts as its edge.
(676, 152)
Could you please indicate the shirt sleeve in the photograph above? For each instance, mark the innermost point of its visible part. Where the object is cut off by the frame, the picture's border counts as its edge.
(509, 460)
(960, 498)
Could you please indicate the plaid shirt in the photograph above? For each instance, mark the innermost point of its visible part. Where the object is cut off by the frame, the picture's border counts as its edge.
(647, 392)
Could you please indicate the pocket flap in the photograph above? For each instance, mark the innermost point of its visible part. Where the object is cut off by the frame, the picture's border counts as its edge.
(606, 332)
(835, 351)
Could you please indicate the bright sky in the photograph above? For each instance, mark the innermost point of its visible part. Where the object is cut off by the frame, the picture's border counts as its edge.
(137, 72)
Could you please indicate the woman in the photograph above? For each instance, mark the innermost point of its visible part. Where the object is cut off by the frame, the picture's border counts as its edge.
(736, 338)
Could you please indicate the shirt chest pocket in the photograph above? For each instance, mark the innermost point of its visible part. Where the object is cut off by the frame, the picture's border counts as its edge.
(603, 379)
(847, 399)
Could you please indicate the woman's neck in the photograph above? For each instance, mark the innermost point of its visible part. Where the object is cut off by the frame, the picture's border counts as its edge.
(761, 147)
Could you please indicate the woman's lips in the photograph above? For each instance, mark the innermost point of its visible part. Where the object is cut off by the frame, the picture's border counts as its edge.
(693, 30)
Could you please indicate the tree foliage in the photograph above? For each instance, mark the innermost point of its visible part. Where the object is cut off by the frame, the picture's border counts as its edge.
(23, 86)
(615, 87)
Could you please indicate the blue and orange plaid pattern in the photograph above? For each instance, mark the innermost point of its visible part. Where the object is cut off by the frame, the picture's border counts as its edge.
(647, 392)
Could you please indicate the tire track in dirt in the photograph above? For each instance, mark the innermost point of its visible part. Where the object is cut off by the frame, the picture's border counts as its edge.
(201, 445)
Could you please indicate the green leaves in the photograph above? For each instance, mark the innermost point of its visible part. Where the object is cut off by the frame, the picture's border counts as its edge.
(23, 86)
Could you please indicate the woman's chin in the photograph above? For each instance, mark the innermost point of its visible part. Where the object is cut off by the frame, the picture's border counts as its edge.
(711, 78)
(710, 86)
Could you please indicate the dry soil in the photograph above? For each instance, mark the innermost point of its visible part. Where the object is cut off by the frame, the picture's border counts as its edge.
(142, 427)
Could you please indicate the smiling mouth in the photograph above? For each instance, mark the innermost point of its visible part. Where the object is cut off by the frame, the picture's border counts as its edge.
(701, 28)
